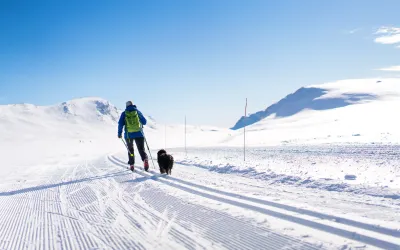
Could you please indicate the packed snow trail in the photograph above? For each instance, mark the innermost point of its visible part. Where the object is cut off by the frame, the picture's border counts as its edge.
(100, 205)
(350, 222)
(378, 236)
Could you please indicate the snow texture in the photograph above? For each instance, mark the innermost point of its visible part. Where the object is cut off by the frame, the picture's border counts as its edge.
(320, 172)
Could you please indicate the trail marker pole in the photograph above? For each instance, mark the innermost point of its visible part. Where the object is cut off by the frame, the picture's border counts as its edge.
(185, 137)
(244, 133)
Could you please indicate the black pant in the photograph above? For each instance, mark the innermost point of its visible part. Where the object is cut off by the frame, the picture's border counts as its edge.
(140, 145)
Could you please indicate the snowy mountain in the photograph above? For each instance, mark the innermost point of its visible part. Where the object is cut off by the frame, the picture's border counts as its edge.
(62, 130)
(318, 97)
(89, 109)
(77, 118)
(32, 133)
(343, 111)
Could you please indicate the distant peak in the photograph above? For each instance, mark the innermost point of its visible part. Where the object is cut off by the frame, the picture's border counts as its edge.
(88, 99)
(323, 97)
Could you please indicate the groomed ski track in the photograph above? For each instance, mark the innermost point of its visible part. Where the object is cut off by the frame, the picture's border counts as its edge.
(102, 205)
(339, 228)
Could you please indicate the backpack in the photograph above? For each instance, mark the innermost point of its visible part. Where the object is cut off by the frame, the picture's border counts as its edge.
(132, 121)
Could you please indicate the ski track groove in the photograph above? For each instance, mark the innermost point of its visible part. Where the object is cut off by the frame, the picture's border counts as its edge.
(33, 204)
(3, 220)
(14, 229)
(213, 231)
(181, 237)
(21, 217)
(77, 202)
(78, 234)
(371, 227)
(65, 231)
(50, 234)
(49, 228)
(162, 203)
(337, 231)
(217, 234)
(16, 244)
(119, 241)
(30, 224)
(88, 240)
(65, 235)
(199, 221)
(158, 220)
(187, 244)
(81, 207)
(116, 241)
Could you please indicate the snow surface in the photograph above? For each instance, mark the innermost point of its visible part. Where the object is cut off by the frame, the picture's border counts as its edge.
(321, 172)
(345, 111)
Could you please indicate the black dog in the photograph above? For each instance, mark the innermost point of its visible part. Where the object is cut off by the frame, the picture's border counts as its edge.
(165, 162)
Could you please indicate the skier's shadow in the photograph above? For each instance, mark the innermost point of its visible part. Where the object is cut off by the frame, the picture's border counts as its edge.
(42, 187)
(118, 162)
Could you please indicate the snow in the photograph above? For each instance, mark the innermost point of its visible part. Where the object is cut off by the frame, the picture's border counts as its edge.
(320, 166)
(321, 171)
(346, 111)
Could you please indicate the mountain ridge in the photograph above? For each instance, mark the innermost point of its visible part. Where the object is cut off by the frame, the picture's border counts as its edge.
(322, 97)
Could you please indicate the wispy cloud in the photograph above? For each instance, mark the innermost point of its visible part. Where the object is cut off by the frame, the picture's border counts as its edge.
(387, 30)
(388, 35)
(353, 31)
(392, 68)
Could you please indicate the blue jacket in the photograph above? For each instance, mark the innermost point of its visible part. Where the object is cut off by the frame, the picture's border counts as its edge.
(121, 123)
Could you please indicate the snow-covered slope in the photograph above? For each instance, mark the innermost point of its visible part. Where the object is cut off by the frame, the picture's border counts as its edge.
(72, 119)
(47, 134)
(323, 97)
(344, 111)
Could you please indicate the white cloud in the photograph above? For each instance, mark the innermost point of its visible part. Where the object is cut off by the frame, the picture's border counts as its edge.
(388, 35)
(387, 30)
(392, 68)
(393, 39)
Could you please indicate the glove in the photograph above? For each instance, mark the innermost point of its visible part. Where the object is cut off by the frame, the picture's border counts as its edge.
(119, 136)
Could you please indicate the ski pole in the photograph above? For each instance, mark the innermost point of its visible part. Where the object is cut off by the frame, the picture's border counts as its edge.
(126, 146)
(149, 152)
(145, 140)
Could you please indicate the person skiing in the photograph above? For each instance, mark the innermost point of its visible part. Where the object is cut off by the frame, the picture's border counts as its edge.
(132, 119)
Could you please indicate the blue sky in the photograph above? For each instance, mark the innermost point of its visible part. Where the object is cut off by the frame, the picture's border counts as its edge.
(199, 58)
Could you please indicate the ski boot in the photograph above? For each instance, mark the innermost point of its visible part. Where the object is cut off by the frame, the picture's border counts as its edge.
(146, 165)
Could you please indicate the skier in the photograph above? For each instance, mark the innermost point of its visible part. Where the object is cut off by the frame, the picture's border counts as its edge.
(133, 120)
